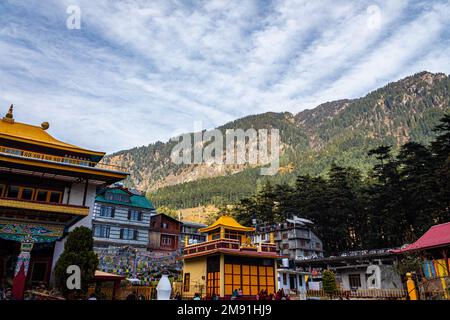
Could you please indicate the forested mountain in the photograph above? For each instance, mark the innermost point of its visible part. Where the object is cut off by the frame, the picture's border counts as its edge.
(339, 132)
(400, 198)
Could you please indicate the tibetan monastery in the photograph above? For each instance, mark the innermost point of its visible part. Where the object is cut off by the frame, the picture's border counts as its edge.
(46, 187)
(228, 261)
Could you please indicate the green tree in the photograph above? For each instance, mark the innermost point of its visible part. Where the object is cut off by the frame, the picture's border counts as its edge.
(78, 250)
(329, 283)
(168, 211)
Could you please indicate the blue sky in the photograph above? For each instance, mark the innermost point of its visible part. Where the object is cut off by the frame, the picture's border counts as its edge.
(141, 71)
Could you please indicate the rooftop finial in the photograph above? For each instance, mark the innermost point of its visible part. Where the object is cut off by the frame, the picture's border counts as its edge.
(9, 115)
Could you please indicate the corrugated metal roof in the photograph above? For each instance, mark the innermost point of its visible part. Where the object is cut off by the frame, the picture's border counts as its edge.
(436, 236)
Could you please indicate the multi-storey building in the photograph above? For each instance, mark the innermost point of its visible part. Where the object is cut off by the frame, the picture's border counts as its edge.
(164, 234)
(294, 238)
(190, 233)
(47, 187)
(121, 218)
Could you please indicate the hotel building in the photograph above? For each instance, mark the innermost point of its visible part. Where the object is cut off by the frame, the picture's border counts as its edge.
(47, 187)
(121, 218)
(228, 260)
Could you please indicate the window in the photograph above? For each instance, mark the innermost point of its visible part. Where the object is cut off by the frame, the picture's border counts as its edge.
(13, 192)
(109, 196)
(215, 236)
(128, 234)
(187, 282)
(41, 195)
(101, 231)
(166, 241)
(30, 194)
(213, 283)
(107, 211)
(27, 194)
(134, 215)
(164, 225)
(55, 197)
(284, 279)
(117, 197)
(251, 279)
(354, 280)
(232, 235)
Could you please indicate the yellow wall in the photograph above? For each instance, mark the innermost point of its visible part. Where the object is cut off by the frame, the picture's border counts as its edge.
(197, 269)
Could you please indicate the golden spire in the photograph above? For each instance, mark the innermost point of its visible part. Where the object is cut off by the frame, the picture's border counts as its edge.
(9, 115)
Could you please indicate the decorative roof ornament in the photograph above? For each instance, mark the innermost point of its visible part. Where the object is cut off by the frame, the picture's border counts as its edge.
(9, 115)
(45, 125)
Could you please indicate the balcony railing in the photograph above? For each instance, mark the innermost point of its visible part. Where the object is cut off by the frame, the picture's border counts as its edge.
(43, 206)
(58, 159)
(230, 244)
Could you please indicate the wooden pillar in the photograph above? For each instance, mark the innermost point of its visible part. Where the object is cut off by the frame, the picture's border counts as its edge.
(85, 192)
(222, 276)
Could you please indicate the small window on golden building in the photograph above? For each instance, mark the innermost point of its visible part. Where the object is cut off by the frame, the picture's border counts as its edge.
(187, 280)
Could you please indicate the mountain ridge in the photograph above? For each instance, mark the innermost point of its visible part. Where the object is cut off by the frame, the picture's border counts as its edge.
(339, 131)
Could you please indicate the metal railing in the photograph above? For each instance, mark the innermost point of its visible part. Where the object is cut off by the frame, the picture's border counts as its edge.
(361, 293)
(106, 293)
(59, 159)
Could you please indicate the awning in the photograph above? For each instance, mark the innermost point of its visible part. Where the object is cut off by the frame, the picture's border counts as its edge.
(437, 236)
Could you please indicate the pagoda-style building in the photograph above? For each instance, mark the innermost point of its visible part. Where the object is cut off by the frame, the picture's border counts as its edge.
(46, 187)
(228, 261)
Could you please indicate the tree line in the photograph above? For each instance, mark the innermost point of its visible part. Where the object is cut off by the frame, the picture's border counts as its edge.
(402, 195)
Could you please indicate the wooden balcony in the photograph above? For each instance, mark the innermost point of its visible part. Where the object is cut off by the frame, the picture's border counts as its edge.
(43, 206)
(57, 159)
(230, 246)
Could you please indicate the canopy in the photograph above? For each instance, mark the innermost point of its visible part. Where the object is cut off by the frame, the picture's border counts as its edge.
(437, 236)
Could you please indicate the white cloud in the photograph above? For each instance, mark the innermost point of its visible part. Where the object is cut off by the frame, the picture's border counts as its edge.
(138, 71)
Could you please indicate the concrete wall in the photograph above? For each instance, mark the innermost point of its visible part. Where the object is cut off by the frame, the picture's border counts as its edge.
(197, 269)
(300, 283)
(76, 198)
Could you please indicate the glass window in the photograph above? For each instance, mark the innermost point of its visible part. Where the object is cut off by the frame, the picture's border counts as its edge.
(106, 211)
(55, 197)
(166, 241)
(109, 196)
(13, 192)
(101, 231)
(128, 234)
(27, 194)
(41, 195)
(354, 280)
(134, 215)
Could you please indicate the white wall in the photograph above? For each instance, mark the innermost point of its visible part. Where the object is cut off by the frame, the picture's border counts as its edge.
(76, 198)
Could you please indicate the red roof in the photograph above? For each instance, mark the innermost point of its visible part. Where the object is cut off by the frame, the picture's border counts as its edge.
(436, 236)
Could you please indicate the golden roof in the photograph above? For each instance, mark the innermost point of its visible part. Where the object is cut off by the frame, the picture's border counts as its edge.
(12, 130)
(227, 222)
